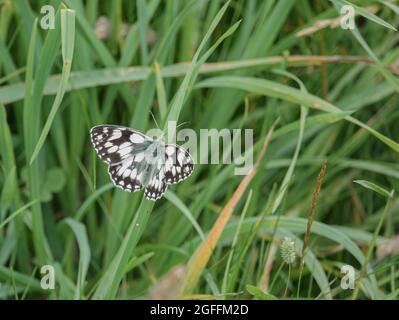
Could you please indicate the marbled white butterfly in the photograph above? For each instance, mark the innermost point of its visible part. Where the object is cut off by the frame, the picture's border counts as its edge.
(136, 161)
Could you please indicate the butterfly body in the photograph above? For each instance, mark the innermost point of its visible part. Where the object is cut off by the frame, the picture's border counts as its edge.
(153, 165)
(136, 161)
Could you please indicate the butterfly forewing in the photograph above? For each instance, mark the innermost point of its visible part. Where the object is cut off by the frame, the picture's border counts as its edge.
(115, 143)
(179, 164)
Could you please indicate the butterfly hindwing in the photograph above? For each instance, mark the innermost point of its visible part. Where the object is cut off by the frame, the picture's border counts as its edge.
(179, 164)
(116, 143)
(156, 187)
(127, 174)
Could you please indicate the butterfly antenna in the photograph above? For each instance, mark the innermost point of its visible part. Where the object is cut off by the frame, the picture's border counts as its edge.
(153, 117)
(179, 125)
(156, 123)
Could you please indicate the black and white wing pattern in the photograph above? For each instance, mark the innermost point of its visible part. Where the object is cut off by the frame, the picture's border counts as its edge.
(126, 175)
(179, 164)
(156, 187)
(122, 149)
(116, 143)
(138, 162)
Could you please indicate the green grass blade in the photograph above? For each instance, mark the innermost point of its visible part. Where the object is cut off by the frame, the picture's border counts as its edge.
(67, 45)
(84, 254)
(109, 283)
(375, 187)
(17, 212)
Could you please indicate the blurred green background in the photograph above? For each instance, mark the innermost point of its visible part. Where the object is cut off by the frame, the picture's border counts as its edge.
(212, 64)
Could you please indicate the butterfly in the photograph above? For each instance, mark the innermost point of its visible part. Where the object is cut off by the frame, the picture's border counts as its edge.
(136, 161)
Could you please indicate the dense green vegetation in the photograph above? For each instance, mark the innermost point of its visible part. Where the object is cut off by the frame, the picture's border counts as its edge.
(323, 105)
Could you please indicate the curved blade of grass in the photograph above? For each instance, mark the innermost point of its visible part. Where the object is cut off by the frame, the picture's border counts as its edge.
(388, 141)
(17, 212)
(84, 253)
(171, 196)
(82, 210)
(291, 168)
(67, 44)
(136, 261)
(376, 188)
